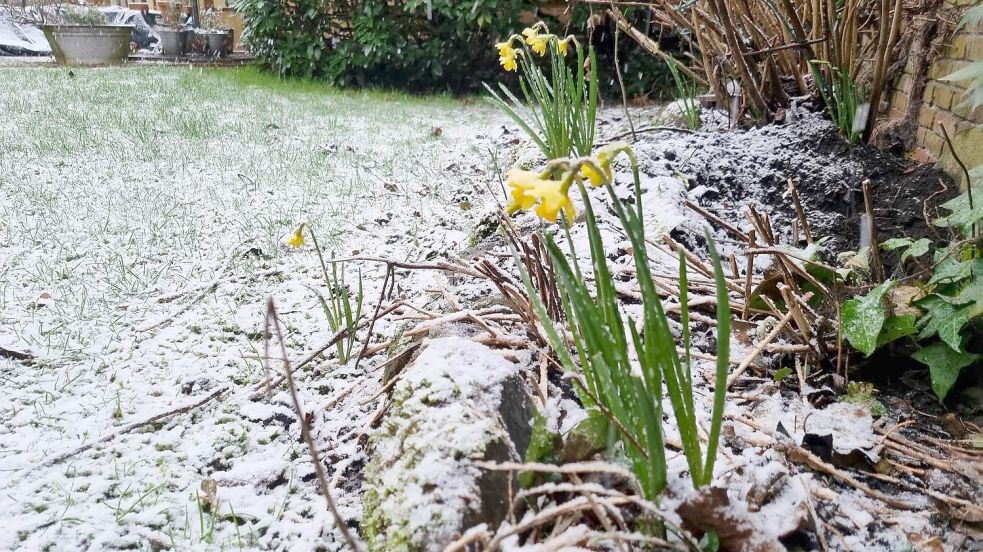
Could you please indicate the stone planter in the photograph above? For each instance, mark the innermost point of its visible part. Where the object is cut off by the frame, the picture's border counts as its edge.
(216, 42)
(173, 42)
(82, 45)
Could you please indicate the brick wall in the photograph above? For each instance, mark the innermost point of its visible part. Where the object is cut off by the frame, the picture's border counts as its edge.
(940, 103)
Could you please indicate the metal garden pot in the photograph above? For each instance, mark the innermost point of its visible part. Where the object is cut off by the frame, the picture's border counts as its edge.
(81, 45)
(173, 43)
(216, 42)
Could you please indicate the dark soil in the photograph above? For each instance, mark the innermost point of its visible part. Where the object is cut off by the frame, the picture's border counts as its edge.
(728, 171)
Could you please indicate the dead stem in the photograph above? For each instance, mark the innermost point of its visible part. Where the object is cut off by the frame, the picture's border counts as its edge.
(383, 293)
(799, 211)
(758, 350)
(875, 254)
(305, 432)
(800, 455)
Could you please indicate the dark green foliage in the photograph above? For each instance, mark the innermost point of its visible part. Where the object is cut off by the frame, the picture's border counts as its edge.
(951, 310)
(372, 43)
(398, 46)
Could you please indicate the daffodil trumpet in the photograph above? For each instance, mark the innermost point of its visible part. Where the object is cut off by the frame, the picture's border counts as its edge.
(296, 238)
(548, 191)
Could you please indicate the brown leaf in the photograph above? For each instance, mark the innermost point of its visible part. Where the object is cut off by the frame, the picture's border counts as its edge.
(922, 543)
(209, 492)
(711, 509)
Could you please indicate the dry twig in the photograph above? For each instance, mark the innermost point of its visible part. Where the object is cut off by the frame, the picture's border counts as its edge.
(305, 432)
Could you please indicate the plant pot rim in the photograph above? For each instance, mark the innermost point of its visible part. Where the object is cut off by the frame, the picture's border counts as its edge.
(74, 26)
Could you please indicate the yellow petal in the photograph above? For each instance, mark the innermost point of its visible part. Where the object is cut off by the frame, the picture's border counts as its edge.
(522, 186)
(507, 59)
(553, 200)
(564, 46)
(596, 178)
(297, 238)
(606, 154)
(505, 48)
(539, 45)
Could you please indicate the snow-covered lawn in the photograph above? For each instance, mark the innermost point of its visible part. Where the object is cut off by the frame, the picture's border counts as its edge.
(124, 193)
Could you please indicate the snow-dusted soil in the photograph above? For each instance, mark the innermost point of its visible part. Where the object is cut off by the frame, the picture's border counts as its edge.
(126, 193)
(123, 194)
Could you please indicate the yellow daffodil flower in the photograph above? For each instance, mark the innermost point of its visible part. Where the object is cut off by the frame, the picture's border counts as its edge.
(504, 48)
(537, 41)
(564, 46)
(523, 185)
(528, 187)
(508, 60)
(553, 198)
(587, 172)
(603, 159)
(297, 238)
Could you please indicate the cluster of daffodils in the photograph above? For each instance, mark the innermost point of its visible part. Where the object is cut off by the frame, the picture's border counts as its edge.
(549, 190)
(537, 37)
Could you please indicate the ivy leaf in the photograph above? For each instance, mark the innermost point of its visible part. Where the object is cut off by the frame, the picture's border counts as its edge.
(896, 327)
(911, 248)
(895, 243)
(944, 366)
(917, 249)
(945, 319)
(972, 293)
(962, 216)
(780, 374)
(951, 270)
(863, 317)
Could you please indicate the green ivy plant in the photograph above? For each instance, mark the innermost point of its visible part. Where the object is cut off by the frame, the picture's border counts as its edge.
(949, 303)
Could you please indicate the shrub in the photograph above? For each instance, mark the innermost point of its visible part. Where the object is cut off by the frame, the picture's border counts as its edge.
(398, 45)
(412, 44)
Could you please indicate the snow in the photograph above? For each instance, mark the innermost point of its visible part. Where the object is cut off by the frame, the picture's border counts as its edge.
(122, 215)
(116, 217)
(18, 39)
(445, 412)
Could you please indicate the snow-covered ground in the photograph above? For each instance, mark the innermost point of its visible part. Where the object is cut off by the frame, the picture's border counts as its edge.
(143, 219)
(123, 194)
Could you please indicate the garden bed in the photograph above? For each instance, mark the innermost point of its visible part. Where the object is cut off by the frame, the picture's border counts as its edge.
(149, 411)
